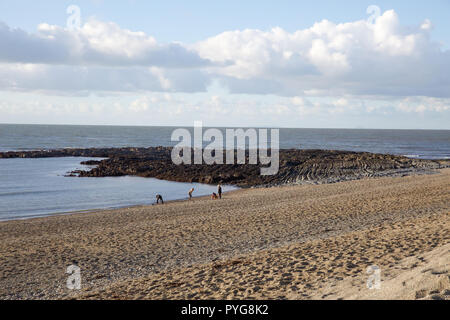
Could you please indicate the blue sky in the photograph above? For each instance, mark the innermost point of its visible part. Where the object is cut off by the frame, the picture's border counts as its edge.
(190, 21)
(193, 60)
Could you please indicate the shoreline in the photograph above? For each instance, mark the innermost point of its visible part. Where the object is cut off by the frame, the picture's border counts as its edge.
(206, 197)
(87, 211)
(229, 244)
(298, 167)
(202, 197)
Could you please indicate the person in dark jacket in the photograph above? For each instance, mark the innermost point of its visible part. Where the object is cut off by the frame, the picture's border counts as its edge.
(159, 198)
(219, 191)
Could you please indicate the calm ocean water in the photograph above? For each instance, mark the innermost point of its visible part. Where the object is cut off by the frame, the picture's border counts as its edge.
(429, 144)
(37, 187)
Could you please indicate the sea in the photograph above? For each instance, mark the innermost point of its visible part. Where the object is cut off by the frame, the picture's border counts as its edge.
(31, 188)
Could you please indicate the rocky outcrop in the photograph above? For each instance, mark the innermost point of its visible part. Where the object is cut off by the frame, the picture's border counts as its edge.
(90, 153)
(296, 166)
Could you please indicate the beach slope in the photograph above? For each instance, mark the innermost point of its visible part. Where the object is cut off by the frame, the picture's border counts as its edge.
(290, 242)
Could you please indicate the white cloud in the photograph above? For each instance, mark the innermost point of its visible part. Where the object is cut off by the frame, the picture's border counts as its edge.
(360, 58)
(347, 65)
(82, 80)
(140, 105)
(231, 110)
(163, 81)
(96, 43)
(426, 25)
(423, 104)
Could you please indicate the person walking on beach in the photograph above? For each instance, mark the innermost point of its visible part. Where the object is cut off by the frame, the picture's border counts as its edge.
(190, 193)
(159, 198)
(219, 191)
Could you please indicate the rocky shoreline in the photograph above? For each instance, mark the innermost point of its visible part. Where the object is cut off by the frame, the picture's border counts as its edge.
(296, 166)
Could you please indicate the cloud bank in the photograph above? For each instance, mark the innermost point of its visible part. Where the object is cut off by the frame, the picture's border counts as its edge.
(95, 43)
(380, 69)
(356, 58)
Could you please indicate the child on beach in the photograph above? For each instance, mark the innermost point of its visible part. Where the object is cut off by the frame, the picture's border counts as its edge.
(190, 193)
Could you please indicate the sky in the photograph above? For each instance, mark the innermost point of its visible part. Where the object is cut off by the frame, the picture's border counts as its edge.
(310, 64)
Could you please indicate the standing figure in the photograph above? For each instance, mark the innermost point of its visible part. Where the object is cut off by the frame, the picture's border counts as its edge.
(219, 191)
(159, 198)
(190, 193)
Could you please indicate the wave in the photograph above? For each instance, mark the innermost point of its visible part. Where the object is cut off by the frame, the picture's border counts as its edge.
(21, 193)
(412, 156)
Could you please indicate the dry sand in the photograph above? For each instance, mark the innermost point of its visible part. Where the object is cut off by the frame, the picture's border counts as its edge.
(424, 276)
(294, 242)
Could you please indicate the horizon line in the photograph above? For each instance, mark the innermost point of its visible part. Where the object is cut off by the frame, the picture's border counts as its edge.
(223, 127)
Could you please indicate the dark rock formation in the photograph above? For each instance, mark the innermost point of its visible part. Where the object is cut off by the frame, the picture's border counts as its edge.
(89, 153)
(296, 166)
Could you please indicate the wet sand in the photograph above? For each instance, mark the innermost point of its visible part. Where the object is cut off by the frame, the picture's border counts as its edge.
(291, 242)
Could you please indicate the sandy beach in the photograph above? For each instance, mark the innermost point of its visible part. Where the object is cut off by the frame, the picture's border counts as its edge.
(289, 242)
